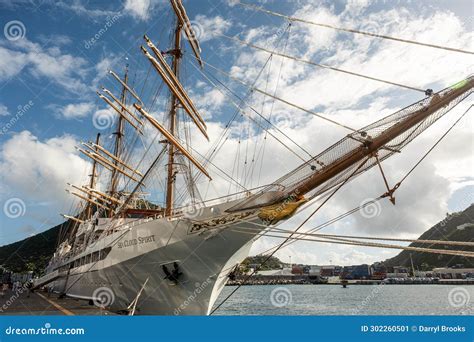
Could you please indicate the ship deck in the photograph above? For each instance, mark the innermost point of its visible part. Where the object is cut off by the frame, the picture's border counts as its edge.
(40, 303)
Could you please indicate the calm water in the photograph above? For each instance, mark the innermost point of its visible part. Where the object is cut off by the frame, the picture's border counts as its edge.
(355, 299)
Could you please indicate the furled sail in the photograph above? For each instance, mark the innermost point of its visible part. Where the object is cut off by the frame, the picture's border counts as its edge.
(94, 147)
(106, 163)
(177, 91)
(172, 140)
(120, 112)
(173, 77)
(188, 29)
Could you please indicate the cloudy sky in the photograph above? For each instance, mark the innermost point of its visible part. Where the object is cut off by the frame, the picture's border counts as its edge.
(54, 56)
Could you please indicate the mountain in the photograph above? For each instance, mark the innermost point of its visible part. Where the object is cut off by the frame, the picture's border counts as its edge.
(30, 254)
(457, 226)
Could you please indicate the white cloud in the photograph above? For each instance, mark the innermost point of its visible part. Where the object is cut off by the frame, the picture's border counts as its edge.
(65, 70)
(11, 63)
(75, 110)
(55, 39)
(356, 7)
(206, 28)
(37, 172)
(110, 62)
(403, 63)
(209, 105)
(4, 110)
(139, 9)
(78, 8)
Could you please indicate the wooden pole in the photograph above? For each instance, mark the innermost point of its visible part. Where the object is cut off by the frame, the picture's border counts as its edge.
(106, 163)
(93, 178)
(397, 129)
(118, 139)
(107, 153)
(176, 92)
(170, 182)
(108, 92)
(120, 112)
(176, 82)
(172, 141)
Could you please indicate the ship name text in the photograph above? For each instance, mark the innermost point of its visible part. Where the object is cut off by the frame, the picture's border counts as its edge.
(137, 241)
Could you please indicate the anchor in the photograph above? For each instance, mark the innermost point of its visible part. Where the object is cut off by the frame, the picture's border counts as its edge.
(174, 274)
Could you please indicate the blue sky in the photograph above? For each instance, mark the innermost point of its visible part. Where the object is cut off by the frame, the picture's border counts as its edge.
(49, 75)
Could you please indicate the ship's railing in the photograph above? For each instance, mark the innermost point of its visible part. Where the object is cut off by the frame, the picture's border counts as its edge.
(179, 212)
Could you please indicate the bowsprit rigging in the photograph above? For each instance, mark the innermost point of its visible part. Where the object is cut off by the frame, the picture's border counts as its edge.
(167, 249)
(382, 138)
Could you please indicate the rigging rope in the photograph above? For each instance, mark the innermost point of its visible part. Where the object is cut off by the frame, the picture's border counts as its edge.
(350, 212)
(280, 99)
(270, 124)
(291, 235)
(437, 142)
(380, 245)
(290, 239)
(257, 123)
(221, 141)
(263, 10)
(328, 222)
(243, 42)
(264, 137)
(358, 237)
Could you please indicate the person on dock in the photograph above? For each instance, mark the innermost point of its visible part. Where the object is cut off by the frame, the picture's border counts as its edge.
(28, 285)
(4, 289)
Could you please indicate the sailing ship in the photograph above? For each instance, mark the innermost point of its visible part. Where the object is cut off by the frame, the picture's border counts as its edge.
(125, 253)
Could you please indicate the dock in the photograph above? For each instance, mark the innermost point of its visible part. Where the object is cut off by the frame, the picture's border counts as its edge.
(41, 303)
(307, 280)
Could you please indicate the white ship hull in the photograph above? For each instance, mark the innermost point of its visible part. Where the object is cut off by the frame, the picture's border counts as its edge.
(205, 256)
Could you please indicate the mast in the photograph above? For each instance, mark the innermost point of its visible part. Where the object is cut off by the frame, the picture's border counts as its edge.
(179, 97)
(118, 147)
(170, 182)
(92, 181)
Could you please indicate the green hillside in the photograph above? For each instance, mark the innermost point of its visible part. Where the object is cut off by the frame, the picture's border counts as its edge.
(455, 227)
(272, 264)
(30, 254)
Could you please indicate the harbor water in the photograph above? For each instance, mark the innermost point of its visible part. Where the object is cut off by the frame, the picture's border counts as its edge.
(353, 300)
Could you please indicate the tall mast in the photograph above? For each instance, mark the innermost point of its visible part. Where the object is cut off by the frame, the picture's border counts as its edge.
(170, 182)
(119, 138)
(179, 97)
(92, 181)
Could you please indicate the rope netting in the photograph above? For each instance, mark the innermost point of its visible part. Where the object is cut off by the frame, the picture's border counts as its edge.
(353, 142)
